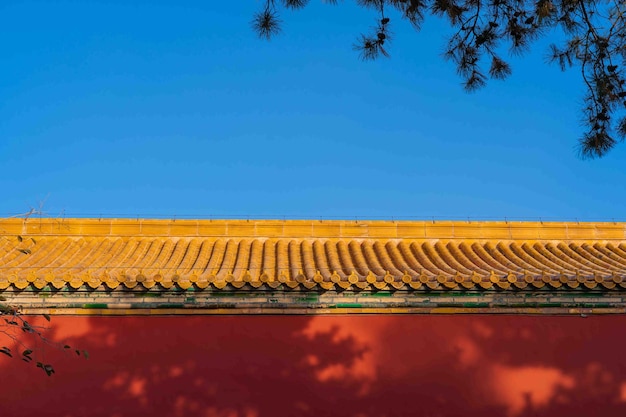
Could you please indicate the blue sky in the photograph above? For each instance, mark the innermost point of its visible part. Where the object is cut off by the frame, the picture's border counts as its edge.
(175, 108)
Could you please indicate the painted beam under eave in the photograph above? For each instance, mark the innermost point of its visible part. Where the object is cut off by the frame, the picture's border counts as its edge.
(253, 302)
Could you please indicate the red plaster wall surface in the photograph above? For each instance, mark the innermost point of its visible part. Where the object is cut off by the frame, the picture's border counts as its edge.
(366, 366)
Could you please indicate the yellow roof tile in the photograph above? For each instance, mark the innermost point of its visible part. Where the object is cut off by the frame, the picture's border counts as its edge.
(309, 253)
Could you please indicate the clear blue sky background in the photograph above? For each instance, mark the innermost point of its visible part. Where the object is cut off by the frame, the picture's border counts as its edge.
(163, 107)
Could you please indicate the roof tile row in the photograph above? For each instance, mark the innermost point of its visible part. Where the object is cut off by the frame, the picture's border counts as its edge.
(309, 263)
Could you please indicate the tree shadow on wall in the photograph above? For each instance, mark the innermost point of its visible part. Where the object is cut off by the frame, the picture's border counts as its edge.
(579, 361)
(366, 366)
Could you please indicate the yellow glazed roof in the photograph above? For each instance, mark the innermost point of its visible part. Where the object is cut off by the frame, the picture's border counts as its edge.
(310, 254)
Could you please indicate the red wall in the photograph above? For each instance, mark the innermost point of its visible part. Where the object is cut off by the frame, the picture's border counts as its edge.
(367, 366)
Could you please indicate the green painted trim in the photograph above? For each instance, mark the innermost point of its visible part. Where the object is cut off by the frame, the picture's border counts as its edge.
(94, 305)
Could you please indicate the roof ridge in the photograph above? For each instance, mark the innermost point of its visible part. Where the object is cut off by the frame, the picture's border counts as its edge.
(377, 229)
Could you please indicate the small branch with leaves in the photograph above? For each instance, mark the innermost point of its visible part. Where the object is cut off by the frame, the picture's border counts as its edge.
(14, 325)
